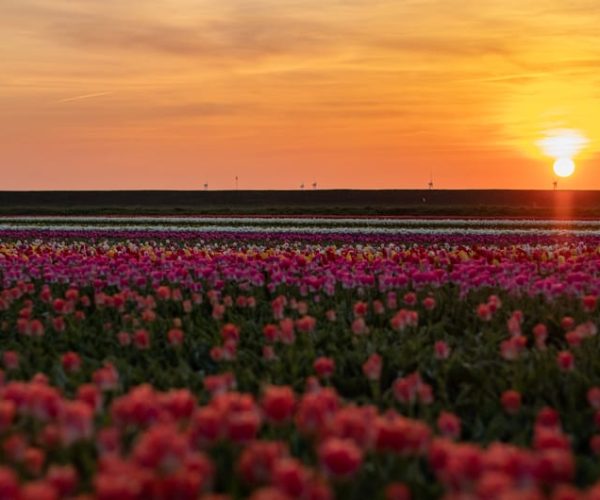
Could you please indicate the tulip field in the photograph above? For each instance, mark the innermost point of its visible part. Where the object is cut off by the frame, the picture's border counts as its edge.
(299, 358)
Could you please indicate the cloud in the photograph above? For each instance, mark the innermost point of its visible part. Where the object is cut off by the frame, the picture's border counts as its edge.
(508, 78)
(237, 31)
(201, 109)
(82, 97)
(445, 44)
(226, 34)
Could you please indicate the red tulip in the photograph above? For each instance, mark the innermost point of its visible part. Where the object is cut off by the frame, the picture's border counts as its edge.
(449, 425)
(175, 337)
(278, 403)
(589, 303)
(340, 457)
(593, 397)
(397, 491)
(511, 401)
(141, 339)
(324, 367)
(372, 367)
(565, 360)
(71, 362)
(442, 350)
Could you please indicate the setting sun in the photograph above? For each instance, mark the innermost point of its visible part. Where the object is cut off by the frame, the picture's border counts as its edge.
(563, 145)
(564, 167)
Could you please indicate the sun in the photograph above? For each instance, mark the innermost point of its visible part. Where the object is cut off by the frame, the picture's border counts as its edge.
(563, 145)
(564, 167)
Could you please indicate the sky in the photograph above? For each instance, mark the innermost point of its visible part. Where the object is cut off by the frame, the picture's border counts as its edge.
(173, 94)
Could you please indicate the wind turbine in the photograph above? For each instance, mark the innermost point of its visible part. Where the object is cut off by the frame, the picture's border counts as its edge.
(205, 186)
(430, 183)
(302, 186)
(314, 185)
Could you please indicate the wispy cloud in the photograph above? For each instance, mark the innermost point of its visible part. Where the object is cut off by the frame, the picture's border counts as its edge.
(82, 97)
(226, 33)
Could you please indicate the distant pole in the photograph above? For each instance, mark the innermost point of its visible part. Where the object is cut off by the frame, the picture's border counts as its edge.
(302, 186)
(236, 182)
(555, 184)
(314, 185)
(205, 186)
(430, 183)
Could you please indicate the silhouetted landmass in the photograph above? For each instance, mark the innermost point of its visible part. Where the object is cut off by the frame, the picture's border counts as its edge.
(531, 203)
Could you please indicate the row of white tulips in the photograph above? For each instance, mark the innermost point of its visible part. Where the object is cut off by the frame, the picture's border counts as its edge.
(314, 229)
(300, 221)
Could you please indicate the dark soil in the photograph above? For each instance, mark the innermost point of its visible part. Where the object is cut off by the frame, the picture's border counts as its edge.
(475, 203)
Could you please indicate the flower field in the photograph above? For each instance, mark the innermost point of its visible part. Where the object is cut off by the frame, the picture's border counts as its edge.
(214, 358)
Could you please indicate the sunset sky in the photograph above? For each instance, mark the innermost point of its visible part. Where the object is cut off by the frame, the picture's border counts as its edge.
(170, 94)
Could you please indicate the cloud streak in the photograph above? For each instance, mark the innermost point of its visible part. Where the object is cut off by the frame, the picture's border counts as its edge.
(83, 97)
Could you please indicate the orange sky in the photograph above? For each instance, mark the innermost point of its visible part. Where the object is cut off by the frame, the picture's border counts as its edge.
(170, 94)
